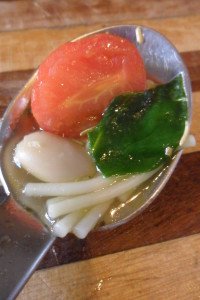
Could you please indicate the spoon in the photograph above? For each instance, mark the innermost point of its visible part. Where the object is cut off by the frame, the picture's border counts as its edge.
(24, 240)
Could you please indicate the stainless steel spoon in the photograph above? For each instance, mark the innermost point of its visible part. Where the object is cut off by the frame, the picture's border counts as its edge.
(24, 240)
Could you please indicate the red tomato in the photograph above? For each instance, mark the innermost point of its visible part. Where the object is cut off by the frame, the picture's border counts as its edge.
(79, 79)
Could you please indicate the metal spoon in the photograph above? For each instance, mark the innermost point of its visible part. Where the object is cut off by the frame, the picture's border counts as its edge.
(24, 240)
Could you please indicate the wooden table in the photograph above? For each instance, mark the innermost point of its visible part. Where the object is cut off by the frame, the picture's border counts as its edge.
(157, 254)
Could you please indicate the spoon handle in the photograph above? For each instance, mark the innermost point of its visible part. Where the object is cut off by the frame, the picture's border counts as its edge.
(23, 243)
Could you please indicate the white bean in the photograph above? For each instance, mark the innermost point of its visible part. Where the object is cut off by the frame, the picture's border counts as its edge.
(52, 158)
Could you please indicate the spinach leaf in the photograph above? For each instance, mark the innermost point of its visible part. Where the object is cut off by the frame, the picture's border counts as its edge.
(136, 129)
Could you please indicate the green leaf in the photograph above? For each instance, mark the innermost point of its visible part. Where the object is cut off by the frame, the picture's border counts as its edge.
(136, 129)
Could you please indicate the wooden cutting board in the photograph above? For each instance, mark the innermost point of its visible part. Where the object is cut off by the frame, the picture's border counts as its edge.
(157, 254)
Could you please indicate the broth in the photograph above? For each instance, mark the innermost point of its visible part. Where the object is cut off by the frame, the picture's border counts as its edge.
(16, 178)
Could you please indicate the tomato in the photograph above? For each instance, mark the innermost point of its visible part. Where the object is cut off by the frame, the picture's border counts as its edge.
(79, 79)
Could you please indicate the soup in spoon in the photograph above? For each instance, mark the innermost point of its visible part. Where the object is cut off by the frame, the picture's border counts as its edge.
(94, 142)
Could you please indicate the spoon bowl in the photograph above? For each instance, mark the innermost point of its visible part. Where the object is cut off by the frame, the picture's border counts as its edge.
(162, 62)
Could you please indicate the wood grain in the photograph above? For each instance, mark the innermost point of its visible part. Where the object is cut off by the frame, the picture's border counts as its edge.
(24, 50)
(16, 15)
(195, 128)
(192, 61)
(11, 83)
(168, 270)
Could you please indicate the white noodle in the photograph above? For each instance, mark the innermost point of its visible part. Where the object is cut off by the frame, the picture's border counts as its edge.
(62, 227)
(68, 188)
(189, 142)
(88, 222)
(139, 35)
(61, 205)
